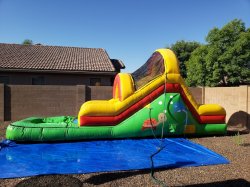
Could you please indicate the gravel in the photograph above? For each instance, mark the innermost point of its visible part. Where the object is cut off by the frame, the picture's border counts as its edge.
(235, 147)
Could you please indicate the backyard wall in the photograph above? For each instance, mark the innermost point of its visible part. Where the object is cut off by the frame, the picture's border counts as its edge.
(21, 101)
(236, 101)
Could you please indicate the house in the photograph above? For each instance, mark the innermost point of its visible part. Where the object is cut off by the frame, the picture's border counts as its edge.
(56, 65)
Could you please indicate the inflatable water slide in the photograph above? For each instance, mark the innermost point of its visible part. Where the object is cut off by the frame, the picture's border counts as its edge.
(151, 102)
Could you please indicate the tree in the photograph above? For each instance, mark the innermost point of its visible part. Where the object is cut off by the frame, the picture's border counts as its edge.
(27, 42)
(196, 70)
(183, 52)
(225, 59)
(236, 61)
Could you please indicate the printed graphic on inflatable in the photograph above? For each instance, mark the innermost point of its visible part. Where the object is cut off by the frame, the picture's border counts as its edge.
(152, 101)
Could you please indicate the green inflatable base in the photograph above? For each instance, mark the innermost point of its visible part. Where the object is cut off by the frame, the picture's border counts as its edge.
(172, 118)
(33, 129)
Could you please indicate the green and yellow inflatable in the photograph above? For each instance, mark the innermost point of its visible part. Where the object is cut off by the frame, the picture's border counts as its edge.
(152, 101)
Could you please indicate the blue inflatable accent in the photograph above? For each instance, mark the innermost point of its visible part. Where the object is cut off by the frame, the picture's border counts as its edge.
(22, 160)
(75, 121)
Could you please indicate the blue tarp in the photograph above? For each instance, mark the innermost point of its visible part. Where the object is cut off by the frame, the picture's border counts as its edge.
(21, 160)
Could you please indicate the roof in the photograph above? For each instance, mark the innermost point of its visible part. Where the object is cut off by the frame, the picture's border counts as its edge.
(54, 58)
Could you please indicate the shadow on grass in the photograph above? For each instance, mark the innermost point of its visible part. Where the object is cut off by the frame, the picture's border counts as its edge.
(108, 177)
(67, 180)
(233, 132)
(245, 144)
(228, 183)
(51, 180)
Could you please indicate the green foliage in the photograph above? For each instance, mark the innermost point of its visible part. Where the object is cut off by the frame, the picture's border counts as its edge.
(183, 51)
(225, 60)
(27, 42)
(227, 35)
(196, 67)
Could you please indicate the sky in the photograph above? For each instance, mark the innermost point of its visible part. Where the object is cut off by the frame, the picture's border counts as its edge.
(129, 30)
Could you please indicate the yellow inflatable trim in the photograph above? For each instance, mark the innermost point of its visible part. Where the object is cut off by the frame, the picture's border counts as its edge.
(115, 106)
(203, 110)
(123, 86)
(211, 109)
(170, 61)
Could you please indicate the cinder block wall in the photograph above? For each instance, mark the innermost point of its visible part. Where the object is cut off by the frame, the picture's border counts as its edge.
(100, 92)
(22, 101)
(235, 100)
(41, 101)
(198, 94)
(248, 107)
(1, 102)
